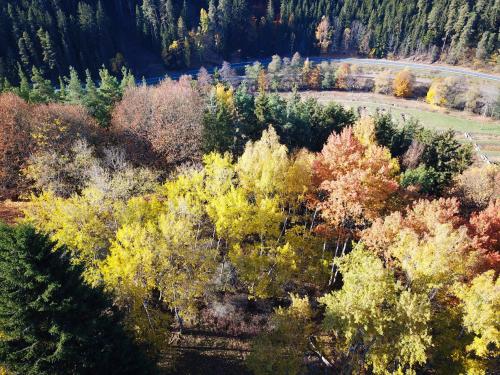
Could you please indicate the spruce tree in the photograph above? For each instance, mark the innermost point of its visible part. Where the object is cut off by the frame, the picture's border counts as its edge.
(23, 53)
(93, 101)
(109, 93)
(49, 56)
(74, 88)
(24, 87)
(42, 90)
(62, 93)
(218, 127)
(50, 321)
(128, 79)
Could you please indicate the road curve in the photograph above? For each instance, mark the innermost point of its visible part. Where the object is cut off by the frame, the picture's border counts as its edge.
(358, 61)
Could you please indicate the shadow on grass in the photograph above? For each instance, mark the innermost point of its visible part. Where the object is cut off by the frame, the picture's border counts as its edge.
(192, 362)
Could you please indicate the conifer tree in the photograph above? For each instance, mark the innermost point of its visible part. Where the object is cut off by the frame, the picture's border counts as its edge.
(75, 91)
(91, 99)
(24, 87)
(61, 94)
(42, 90)
(109, 93)
(51, 322)
(128, 79)
(49, 56)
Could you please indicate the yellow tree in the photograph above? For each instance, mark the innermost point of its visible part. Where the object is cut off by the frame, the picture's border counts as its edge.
(480, 302)
(164, 251)
(343, 77)
(430, 251)
(375, 322)
(427, 243)
(257, 216)
(404, 83)
(84, 223)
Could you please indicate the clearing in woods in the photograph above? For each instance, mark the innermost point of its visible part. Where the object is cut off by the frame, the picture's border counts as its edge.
(484, 131)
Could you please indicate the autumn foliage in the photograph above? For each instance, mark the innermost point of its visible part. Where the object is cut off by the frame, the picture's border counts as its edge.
(354, 179)
(15, 143)
(165, 121)
(403, 84)
(366, 273)
(27, 129)
(484, 229)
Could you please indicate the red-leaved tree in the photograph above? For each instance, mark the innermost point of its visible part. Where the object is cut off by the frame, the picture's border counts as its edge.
(484, 228)
(354, 181)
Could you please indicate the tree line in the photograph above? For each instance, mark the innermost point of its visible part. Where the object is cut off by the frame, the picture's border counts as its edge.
(183, 34)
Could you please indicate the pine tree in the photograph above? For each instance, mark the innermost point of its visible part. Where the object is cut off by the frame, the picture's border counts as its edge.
(75, 91)
(24, 87)
(51, 322)
(42, 90)
(61, 94)
(181, 28)
(109, 88)
(23, 52)
(270, 15)
(49, 56)
(218, 122)
(128, 79)
(92, 100)
(109, 93)
(169, 20)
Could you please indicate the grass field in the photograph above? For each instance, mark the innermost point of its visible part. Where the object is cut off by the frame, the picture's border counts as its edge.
(485, 132)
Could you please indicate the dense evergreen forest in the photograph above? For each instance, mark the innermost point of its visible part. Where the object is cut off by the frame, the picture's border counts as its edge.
(53, 35)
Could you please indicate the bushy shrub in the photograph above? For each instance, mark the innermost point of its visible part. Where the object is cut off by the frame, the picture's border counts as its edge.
(66, 173)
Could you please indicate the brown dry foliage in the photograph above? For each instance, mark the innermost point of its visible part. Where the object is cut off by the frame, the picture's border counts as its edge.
(26, 129)
(162, 122)
(477, 187)
(15, 143)
(412, 157)
(57, 126)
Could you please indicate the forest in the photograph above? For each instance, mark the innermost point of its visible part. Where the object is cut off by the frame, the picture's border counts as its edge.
(56, 35)
(330, 240)
(225, 222)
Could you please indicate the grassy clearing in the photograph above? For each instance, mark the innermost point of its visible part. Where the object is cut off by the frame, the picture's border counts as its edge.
(486, 132)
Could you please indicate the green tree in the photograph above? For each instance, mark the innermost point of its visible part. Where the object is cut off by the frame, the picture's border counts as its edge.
(218, 121)
(93, 102)
(445, 154)
(74, 89)
(128, 79)
(42, 90)
(49, 56)
(24, 87)
(109, 93)
(426, 180)
(51, 322)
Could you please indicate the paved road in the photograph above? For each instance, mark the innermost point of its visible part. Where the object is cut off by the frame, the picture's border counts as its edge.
(381, 62)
